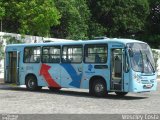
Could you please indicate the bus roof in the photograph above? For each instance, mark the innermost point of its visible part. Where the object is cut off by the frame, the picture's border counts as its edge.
(107, 40)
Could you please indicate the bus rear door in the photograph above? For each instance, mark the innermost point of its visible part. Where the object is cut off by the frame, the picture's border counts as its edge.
(12, 67)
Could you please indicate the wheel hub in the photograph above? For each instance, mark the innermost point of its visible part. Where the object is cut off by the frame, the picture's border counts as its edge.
(31, 83)
(99, 88)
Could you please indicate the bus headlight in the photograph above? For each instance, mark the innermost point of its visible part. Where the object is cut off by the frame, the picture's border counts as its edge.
(152, 80)
(137, 78)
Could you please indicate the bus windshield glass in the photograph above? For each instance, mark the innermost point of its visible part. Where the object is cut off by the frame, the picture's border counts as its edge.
(141, 57)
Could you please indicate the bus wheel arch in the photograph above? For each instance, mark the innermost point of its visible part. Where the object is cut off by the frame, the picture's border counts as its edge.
(31, 82)
(100, 83)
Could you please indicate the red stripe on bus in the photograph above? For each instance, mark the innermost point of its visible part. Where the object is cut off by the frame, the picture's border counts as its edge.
(45, 73)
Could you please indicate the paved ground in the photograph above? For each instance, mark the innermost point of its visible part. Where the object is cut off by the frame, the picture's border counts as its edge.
(15, 100)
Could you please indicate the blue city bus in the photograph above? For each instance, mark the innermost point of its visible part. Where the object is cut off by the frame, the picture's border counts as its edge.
(102, 66)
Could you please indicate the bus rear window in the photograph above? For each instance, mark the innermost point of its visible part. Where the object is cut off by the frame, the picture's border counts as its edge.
(32, 55)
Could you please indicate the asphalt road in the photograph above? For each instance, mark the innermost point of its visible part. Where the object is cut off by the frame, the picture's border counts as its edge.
(15, 100)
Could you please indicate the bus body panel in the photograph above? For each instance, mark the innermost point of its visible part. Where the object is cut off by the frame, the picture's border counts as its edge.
(92, 70)
(52, 73)
(126, 82)
(30, 69)
(71, 75)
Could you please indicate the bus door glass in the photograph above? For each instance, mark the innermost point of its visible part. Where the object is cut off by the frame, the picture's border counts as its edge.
(116, 69)
(12, 67)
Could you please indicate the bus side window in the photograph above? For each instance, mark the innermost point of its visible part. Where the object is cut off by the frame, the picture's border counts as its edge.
(97, 58)
(72, 54)
(32, 55)
(51, 54)
(96, 53)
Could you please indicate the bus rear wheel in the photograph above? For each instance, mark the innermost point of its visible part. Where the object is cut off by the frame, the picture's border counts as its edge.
(121, 94)
(99, 88)
(31, 83)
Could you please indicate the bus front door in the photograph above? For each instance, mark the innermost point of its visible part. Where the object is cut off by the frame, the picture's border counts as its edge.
(116, 83)
(12, 67)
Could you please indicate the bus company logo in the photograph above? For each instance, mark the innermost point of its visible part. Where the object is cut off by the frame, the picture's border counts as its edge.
(90, 67)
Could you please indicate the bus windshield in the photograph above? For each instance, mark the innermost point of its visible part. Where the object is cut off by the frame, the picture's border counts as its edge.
(141, 57)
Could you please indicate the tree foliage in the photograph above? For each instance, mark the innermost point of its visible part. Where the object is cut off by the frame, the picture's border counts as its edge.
(74, 21)
(33, 17)
(2, 11)
(154, 17)
(120, 17)
(152, 28)
(84, 19)
(96, 30)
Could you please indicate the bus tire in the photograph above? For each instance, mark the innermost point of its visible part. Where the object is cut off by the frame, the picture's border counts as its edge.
(54, 89)
(121, 94)
(99, 88)
(91, 92)
(31, 83)
(39, 87)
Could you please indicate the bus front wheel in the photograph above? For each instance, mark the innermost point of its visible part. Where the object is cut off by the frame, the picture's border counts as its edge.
(99, 88)
(31, 83)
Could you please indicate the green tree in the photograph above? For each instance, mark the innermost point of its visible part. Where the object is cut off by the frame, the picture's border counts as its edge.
(96, 29)
(120, 17)
(152, 28)
(154, 17)
(74, 21)
(34, 17)
(2, 10)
